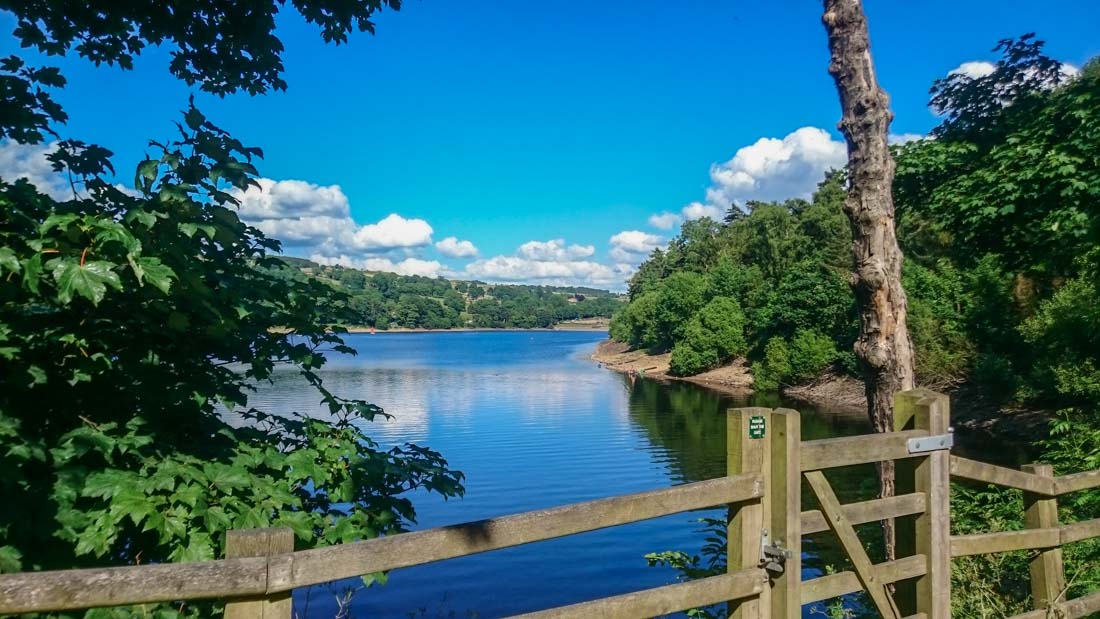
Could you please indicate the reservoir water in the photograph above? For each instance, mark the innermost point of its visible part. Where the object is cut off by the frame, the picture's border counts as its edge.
(533, 423)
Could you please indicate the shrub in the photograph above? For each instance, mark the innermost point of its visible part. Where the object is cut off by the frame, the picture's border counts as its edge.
(724, 323)
(695, 353)
(679, 296)
(809, 353)
(769, 373)
(937, 298)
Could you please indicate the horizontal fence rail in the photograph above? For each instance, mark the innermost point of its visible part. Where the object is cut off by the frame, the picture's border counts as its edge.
(768, 467)
(830, 453)
(310, 567)
(1011, 478)
(843, 583)
(664, 600)
(231, 578)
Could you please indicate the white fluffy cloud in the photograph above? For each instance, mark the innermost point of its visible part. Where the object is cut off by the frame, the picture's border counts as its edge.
(317, 219)
(980, 68)
(554, 250)
(770, 169)
(698, 210)
(408, 266)
(29, 161)
(632, 246)
(974, 69)
(905, 138)
(551, 262)
(454, 248)
(567, 273)
(664, 220)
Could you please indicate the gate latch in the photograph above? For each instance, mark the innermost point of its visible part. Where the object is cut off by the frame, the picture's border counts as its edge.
(772, 554)
(926, 444)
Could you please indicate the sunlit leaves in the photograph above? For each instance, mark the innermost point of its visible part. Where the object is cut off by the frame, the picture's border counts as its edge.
(120, 317)
(88, 280)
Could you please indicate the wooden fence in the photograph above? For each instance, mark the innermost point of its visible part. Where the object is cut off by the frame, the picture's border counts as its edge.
(767, 465)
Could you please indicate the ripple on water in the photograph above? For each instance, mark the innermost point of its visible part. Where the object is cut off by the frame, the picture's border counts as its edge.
(533, 424)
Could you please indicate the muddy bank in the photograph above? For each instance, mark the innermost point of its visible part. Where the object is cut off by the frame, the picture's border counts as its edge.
(971, 411)
(733, 378)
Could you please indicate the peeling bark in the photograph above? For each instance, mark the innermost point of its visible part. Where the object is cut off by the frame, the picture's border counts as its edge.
(884, 349)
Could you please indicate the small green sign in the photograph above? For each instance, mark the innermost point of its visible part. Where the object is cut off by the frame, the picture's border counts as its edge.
(756, 427)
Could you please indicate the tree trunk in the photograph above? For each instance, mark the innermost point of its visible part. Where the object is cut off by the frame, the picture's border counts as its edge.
(883, 348)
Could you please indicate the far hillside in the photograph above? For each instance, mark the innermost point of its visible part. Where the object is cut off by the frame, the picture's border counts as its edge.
(388, 300)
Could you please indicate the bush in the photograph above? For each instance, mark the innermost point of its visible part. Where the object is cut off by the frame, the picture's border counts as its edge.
(769, 373)
(713, 335)
(724, 323)
(809, 354)
(810, 296)
(695, 353)
(678, 298)
(636, 324)
(937, 299)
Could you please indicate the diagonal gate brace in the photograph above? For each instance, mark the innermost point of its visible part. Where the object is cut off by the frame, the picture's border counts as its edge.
(865, 570)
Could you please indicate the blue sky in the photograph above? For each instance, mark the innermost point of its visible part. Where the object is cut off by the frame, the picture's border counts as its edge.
(505, 123)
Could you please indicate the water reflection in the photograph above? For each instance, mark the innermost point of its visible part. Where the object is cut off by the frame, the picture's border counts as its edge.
(533, 423)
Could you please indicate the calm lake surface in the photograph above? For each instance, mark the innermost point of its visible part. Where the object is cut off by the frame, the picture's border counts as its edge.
(534, 423)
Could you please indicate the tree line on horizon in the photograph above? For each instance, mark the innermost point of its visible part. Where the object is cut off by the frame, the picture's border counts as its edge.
(388, 300)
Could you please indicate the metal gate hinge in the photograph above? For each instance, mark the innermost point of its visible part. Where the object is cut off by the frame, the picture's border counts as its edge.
(926, 444)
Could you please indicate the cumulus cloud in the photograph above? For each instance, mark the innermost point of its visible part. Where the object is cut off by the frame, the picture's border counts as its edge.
(974, 69)
(553, 263)
(29, 161)
(664, 220)
(567, 273)
(454, 248)
(554, 250)
(632, 246)
(408, 266)
(770, 169)
(698, 210)
(318, 219)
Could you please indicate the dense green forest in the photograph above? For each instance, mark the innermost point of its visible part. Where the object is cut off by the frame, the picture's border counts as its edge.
(387, 300)
(999, 218)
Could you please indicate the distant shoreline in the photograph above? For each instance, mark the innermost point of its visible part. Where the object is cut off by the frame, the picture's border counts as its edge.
(585, 327)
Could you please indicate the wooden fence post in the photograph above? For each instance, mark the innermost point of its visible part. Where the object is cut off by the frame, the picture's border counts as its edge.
(748, 451)
(785, 495)
(259, 543)
(927, 534)
(1048, 578)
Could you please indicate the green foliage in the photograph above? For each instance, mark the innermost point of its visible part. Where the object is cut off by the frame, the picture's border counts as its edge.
(170, 304)
(723, 291)
(134, 324)
(769, 372)
(938, 307)
(679, 296)
(714, 334)
(694, 353)
(810, 353)
(637, 322)
(385, 300)
(993, 585)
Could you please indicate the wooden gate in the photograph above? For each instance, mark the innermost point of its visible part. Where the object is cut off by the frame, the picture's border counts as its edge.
(768, 464)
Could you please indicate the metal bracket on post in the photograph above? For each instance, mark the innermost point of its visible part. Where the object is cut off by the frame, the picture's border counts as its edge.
(926, 444)
(772, 554)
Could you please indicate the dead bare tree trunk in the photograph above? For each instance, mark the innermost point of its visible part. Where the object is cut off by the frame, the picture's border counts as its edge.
(884, 349)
